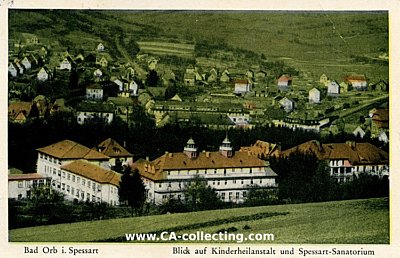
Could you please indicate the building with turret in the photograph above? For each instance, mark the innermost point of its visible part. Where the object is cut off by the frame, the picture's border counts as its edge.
(232, 174)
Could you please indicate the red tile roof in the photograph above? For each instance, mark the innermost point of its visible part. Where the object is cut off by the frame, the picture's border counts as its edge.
(356, 153)
(94, 172)
(30, 176)
(262, 149)
(67, 149)
(285, 78)
(205, 160)
(112, 148)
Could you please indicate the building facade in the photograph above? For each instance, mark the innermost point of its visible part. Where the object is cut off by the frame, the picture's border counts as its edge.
(231, 174)
(20, 185)
(78, 172)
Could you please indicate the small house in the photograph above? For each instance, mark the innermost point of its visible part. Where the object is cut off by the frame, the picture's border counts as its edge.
(284, 82)
(333, 88)
(358, 82)
(242, 86)
(314, 96)
(94, 92)
(287, 104)
(43, 74)
(323, 79)
(66, 64)
(213, 75)
(12, 70)
(100, 47)
(359, 132)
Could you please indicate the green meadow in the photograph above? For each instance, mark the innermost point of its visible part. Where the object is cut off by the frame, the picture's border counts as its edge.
(340, 222)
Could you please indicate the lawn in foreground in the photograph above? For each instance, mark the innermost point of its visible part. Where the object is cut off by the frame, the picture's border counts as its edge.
(341, 222)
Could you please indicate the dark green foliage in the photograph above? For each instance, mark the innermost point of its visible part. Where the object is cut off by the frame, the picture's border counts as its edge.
(132, 190)
(365, 186)
(302, 178)
(152, 79)
(200, 196)
(261, 196)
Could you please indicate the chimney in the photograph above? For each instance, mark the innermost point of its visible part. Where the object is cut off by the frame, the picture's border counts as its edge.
(207, 154)
(147, 158)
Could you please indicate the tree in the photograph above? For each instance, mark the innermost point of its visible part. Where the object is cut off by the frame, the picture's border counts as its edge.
(257, 196)
(200, 196)
(152, 79)
(132, 190)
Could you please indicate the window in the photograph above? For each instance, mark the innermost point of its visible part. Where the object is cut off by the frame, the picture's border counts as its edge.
(224, 171)
(242, 181)
(169, 184)
(226, 182)
(230, 195)
(68, 176)
(63, 186)
(94, 186)
(72, 191)
(237, 195)
(20, 184)
(223, 196)
(251, 181)
(77, 193)
(83, 181)
(260, 181)
(244, 194)
(88, 184)
(54, 171)
(63, 174)
(59, 172)
(68, 188)
(217, 182)
(251, 170)
(73, 178)
(169, 173)
(234, 181)
(159, 185)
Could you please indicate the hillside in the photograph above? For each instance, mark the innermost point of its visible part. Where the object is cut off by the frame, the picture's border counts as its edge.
(330, 42)
(340, 222)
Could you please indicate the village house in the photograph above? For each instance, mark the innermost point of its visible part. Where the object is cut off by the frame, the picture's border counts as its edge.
(260, 75)
(66, 64)
(346, 160)
(225, 77)
(242, 86)
(213, 75)
(94, 112)
(12, 69)
(314, 96)
(28, 62)
(231, 174)
(359, 132)
(287, 104)
(380, 121)
(312, 125)
(102, 61)
(20, 185)
(123, 107)
(284, 82)
(94, 92)
(324, 79)
(98, 73)
(100, 47)
(43, 74)
(358, 82)
(18, 111)
(78, 172)
(333, 89)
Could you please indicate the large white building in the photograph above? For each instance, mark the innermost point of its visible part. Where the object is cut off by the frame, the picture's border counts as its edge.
(230, 173)
(79, 172)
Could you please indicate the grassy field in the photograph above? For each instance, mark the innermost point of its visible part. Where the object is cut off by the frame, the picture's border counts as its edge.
(341, 222)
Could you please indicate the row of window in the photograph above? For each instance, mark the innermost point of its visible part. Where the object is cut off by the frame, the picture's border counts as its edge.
(223, 196)
(214, 182)
(28, 184)
(201, 171)
(49, 158)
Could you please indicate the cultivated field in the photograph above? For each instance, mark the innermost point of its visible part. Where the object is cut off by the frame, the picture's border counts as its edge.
(341, 222)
